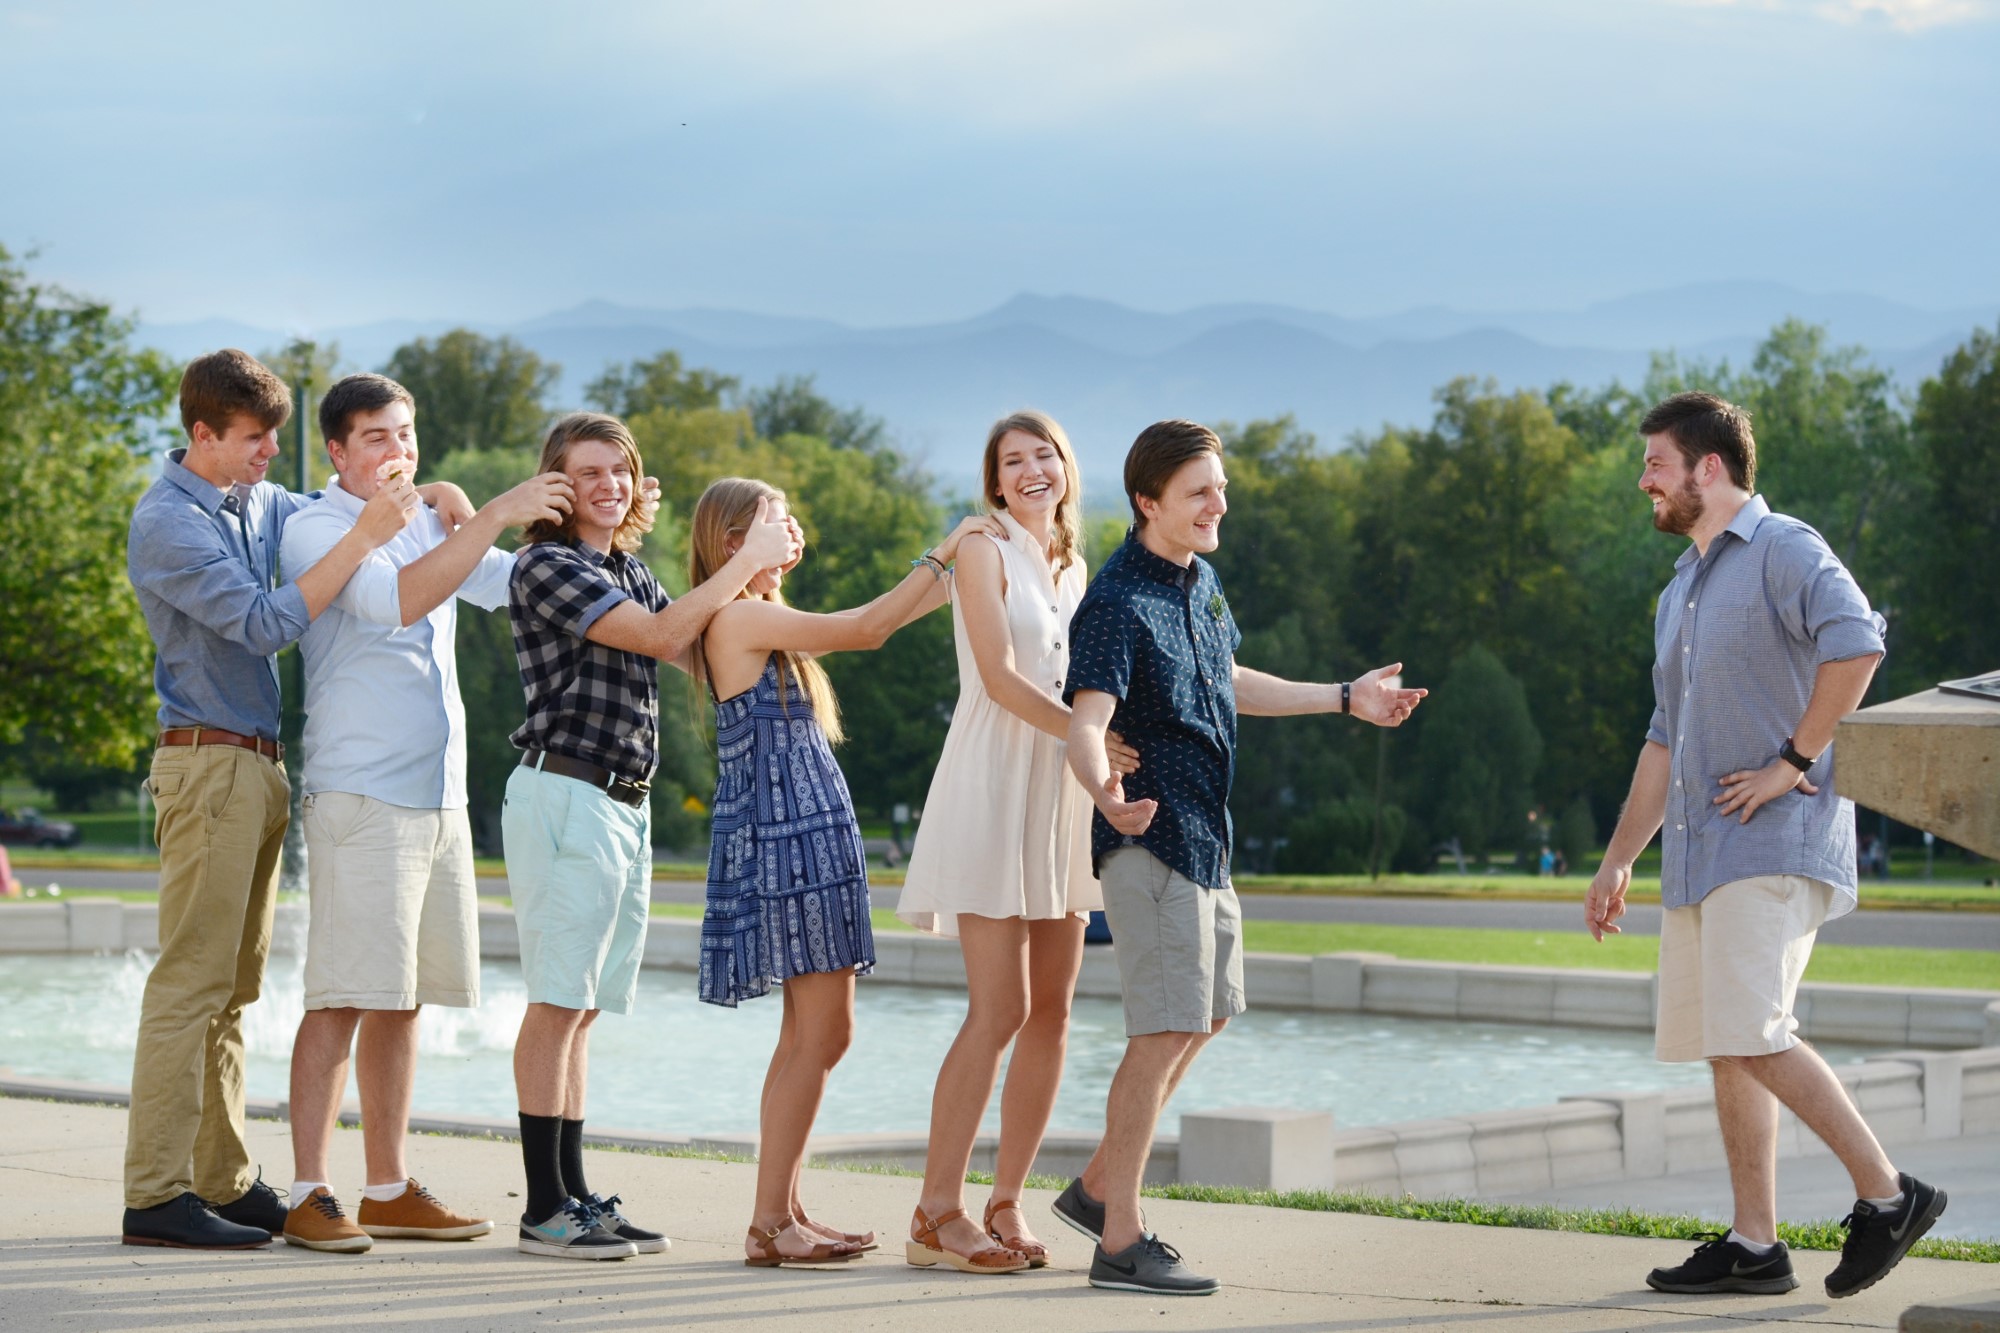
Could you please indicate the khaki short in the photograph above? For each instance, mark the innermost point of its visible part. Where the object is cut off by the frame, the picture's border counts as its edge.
(1730, 967)
(1179, 945)
(394, 919)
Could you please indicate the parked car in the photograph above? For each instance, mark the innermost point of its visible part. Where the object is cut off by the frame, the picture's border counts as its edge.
(28, 828)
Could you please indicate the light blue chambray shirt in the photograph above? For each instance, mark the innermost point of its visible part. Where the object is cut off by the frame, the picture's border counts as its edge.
(207, 578)
(1738, 640)
(383, 715)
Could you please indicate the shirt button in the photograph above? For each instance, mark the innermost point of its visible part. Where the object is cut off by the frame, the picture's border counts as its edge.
(1679, 827)
(1056, 609)
(1058, 643)
(1690, 606)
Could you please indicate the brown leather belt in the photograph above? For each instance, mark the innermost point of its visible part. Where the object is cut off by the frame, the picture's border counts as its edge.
(623, 790)
(200, 736)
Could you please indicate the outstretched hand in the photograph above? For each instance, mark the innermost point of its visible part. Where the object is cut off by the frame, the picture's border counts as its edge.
(1128, 817)
(1379, 697)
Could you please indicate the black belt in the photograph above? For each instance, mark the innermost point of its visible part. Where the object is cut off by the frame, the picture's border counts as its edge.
(623, 790)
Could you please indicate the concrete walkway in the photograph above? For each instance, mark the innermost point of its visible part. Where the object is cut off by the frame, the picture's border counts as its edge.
(61, 1267)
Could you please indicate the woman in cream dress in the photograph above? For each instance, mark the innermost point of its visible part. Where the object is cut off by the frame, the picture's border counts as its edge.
(1002, 858)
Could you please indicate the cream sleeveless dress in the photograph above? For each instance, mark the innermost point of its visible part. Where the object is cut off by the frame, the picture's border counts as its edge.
(1006, 828)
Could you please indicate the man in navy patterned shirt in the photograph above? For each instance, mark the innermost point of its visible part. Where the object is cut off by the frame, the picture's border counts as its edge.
(1762, 642)
(1153, 653)
(591, 625)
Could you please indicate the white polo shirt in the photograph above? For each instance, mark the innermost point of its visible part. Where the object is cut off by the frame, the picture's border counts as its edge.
(383, 716)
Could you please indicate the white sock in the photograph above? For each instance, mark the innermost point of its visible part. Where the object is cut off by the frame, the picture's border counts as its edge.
(383, 1193)
(1889, 1205)
(302, 1189)
(1754, 1246)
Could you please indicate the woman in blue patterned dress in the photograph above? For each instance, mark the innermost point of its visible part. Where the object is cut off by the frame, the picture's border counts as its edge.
(787, 882)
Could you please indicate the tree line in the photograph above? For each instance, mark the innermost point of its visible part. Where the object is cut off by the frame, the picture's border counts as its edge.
(1501, 550)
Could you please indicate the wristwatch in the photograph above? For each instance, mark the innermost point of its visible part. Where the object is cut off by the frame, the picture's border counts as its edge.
(1789, 753)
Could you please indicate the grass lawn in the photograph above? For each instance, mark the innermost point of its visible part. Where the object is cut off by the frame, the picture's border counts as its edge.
(1975, 969)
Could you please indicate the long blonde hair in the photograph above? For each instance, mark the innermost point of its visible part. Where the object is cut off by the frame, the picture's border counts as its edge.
(1067, 527)
(726, 509)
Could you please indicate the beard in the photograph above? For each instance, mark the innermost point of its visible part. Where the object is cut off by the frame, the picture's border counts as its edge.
(1680, 511)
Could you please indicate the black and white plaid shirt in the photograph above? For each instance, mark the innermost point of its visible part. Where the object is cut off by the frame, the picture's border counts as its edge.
(585, 700)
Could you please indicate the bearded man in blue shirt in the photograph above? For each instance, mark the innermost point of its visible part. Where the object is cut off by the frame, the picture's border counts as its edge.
(1762, 643)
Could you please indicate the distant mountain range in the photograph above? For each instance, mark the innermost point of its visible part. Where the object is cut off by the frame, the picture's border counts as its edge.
(1105, 370)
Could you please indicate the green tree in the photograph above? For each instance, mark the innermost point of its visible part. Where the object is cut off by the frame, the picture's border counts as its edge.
(310, 368)
(790, 405)
(1478, 755)
(474, 392)
(1952, 599)
(80, 409)
(660, 382)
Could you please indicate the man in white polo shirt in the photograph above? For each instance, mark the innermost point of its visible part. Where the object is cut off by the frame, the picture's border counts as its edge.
(394, 920)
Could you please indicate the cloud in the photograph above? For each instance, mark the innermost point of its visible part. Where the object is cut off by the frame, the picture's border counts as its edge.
(1903, 15)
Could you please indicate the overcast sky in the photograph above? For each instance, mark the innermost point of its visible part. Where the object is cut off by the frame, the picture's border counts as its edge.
(889, 161)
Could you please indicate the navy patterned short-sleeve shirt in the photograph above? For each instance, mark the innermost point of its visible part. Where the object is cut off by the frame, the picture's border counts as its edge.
(585, 700)
(1159, 638)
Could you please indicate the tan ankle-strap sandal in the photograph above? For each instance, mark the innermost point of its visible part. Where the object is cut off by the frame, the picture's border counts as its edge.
(766, 1254)
(862, 1241)
(923, 1252)
(1036, 1253)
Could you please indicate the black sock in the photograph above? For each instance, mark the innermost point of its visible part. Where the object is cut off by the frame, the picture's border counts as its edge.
(572, 1158)
(541, 1154)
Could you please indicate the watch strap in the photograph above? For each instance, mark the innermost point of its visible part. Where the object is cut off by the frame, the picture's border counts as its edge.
(1790, 754)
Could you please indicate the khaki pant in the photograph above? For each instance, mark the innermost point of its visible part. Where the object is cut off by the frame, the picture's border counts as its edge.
(221, 830)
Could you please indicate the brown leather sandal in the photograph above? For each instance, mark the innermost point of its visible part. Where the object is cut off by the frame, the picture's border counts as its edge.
(1036, 1253)
(768, 1255)
(923, 1254)
(863, 1241)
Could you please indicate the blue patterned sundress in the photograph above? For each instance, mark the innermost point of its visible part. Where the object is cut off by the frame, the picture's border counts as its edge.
(787, 879)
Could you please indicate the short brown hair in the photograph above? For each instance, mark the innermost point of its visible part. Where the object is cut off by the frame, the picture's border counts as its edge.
(572, 430)
(1701, 424)
(1161, 450)
(224, 385)
(351, 397)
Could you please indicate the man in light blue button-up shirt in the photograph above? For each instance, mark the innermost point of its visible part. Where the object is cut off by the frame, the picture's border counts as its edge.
(394, 919)
(1762, 642)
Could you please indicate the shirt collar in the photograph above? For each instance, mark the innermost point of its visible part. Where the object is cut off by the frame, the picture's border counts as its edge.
(1157, 567)
(198, 488)
(1744, 526)
(343, 499)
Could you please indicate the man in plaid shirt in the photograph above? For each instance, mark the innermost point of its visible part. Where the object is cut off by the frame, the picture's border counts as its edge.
(591, 625)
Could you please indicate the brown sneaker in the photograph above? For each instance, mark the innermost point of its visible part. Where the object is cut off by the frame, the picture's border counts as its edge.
(319, 1224)
(416, 1214)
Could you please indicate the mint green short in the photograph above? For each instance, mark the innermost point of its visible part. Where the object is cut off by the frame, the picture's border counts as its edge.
(580, 867)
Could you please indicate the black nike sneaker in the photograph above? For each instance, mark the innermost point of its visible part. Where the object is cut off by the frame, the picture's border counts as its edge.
(1878, 1238)
(1723, 1264)
(1151, 1266)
